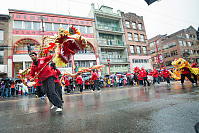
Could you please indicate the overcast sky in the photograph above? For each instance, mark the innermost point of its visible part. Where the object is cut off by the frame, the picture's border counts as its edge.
(162, 17)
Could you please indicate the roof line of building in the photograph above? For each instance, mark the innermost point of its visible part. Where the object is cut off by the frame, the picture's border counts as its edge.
(44, 13)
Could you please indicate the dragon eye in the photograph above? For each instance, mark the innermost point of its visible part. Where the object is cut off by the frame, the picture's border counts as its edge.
(179, 62)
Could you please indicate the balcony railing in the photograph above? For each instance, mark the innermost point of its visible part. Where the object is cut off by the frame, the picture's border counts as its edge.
(114, 60)
(111, 42)
(109, 28)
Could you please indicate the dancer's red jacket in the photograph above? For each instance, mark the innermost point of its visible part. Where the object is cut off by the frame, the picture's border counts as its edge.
(143, 73)
(45, 73)
(165, 73)
(155, 73)
(140, 76)
(67, 82)
(79, 80)
(185, 70)
(194, 65)
(94, 76)
(56, 74)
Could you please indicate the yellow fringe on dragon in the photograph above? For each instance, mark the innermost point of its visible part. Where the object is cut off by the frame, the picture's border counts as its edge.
(179, 64)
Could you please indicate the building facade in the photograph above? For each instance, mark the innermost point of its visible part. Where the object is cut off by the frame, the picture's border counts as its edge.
(27, 29)
(136, 40)
(176, 45)
(4, 22)
(110, 36)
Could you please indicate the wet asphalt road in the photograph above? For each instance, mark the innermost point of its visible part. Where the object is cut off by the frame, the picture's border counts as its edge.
(154, 109)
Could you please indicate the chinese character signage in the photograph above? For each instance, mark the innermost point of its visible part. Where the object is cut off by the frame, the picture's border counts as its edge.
(62, 19)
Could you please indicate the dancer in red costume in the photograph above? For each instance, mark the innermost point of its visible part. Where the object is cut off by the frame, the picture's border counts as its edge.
(144, 76)
(166, 75)
(46, 76)
(58, 87)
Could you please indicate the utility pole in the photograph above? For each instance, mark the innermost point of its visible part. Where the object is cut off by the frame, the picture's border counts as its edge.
(158, 54)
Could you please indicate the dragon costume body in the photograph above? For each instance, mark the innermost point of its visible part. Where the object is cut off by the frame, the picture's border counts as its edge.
(183, 68)
(65, 44)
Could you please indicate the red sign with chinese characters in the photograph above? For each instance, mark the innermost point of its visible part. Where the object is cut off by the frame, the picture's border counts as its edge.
(31, 32)
(62, 19)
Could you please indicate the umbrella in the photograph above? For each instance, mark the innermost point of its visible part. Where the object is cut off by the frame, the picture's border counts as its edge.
(112, 75)
(150, 1)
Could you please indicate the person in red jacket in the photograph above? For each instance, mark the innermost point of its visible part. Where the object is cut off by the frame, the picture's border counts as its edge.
(194, 65)
(66, 86)
(166, 75)
(186, 72)
(39, 90)
(144, 76)
(79, 83)
(140, 78)
(58, 87)
(95, 81)
(155, 76)
(46, 76)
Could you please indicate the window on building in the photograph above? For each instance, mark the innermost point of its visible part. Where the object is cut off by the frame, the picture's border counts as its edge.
(134, 25)
(144, 50)
(48, 27)
(136, 37)
(27, 25)
(152, 51)
(132, 49)
(152, 44)
(130, 36)
(37, 26)
(140, 26)
(82, 29)
(17, 25)
(90, 30)
(187, 36)
(1, 55)
(127, 24)
(173, 44)
(184, 43)
(191, 51)
(65, 26)
(142, 37)
(1, 36)
(138, 50)
(165, 47)
(56, 27)
(181, 43)
(189, 44)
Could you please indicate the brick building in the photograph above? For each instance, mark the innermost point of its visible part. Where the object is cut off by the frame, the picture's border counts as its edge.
(170, 47)
(4, 22)
(26, 29)
(136, 40)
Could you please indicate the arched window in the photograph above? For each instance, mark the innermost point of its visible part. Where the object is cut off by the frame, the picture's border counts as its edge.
(26, 45)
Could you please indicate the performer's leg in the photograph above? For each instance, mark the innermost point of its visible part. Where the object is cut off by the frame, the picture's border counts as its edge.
(58, 90)
(182, 78)
(189, 77)
(168, 80)
(53, 97)
(195, 78)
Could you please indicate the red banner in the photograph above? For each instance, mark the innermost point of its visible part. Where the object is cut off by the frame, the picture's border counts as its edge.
(64, 20)
(31, 32)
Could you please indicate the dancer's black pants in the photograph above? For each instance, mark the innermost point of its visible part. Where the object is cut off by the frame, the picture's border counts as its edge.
(58, 89)
(188, 76)
(53, 96)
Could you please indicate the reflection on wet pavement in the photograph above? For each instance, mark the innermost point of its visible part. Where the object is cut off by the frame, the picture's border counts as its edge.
(158, 108)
